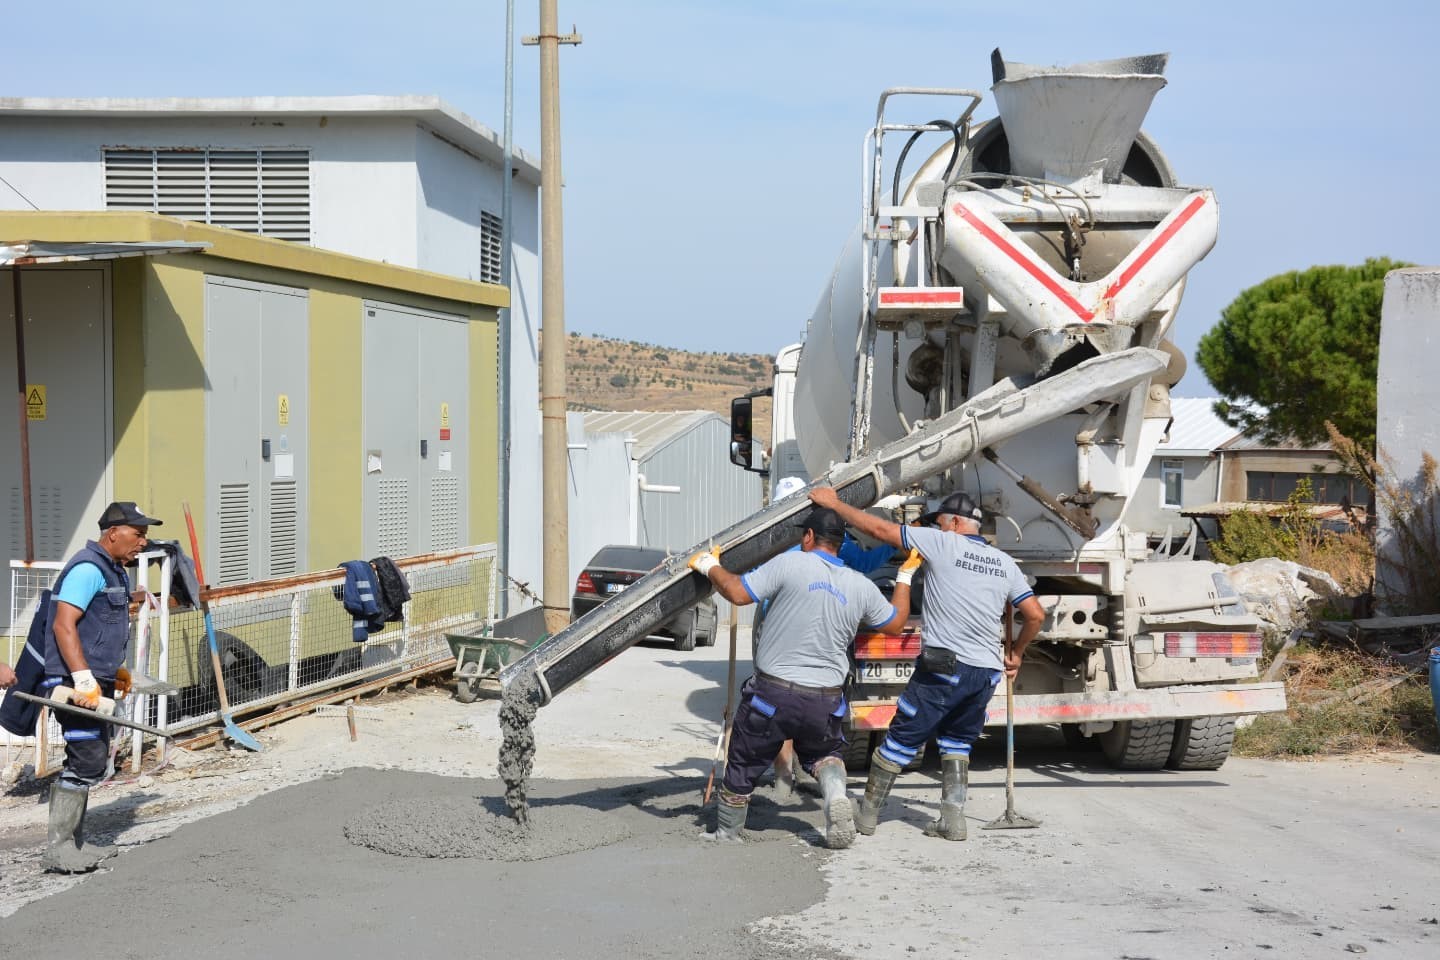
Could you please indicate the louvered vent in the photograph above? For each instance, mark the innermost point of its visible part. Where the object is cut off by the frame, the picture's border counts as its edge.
(284, 529)
(234, 532)
(489, 247)
(392, 528)
(51, 537)
(265, 191)
(444, 513)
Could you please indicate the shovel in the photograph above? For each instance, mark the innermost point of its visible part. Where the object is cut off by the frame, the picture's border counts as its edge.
(724, 735)
(1010, 820)
(235, 733)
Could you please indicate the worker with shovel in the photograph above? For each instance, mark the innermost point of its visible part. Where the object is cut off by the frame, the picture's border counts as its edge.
(86, 638)
(816, 605)
(967, 585)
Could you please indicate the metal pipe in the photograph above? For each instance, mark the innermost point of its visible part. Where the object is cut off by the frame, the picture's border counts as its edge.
(507, 236)
(20, 377)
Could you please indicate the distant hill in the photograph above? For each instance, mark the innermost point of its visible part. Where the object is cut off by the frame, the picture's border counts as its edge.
(608, 374)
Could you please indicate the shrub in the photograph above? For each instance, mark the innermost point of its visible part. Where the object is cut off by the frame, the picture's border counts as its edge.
(619, 380)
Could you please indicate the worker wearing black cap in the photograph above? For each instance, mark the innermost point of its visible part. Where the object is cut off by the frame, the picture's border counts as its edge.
(816, 605)
(967, 586)
(86, 640)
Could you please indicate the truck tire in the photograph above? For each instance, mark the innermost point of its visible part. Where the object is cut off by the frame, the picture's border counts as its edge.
(859, 744)
(1202, 743)
(1138, 744)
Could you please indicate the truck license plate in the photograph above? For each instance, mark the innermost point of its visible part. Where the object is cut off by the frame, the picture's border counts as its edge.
(884, 671)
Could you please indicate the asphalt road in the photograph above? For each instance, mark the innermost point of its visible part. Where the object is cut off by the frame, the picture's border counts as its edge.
(1259, 859)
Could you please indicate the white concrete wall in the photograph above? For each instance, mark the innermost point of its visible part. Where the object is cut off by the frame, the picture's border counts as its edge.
(1407, 392)
(1147, 511)
(601, 493)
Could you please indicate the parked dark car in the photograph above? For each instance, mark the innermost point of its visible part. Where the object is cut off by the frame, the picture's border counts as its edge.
(617, 566)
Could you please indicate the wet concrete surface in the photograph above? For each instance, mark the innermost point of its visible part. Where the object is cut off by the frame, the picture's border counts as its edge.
(278, 877)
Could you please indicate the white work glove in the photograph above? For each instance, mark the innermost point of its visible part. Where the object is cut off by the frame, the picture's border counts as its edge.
(908, 568)
(87, 691)
(705, 561)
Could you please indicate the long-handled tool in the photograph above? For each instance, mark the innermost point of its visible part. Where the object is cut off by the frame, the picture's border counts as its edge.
(721, 743)
(239, 736)
(59, 699)
(1010, 820)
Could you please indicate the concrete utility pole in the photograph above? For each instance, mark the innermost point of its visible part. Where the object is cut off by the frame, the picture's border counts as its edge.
(555, 463)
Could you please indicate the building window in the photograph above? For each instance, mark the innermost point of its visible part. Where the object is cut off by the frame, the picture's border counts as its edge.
(262, 190)
(489, 247)
(1172, 482)
(1330, 488)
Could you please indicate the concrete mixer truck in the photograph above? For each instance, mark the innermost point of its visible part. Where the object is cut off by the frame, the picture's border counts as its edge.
(998, 324)
(1026, 244)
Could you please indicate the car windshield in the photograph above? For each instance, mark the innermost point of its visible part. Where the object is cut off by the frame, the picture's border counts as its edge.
(627, 558)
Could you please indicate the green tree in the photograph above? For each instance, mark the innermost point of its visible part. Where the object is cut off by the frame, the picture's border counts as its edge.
(1299, 349)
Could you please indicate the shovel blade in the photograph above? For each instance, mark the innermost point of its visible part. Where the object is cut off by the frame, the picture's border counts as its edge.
(241, 737)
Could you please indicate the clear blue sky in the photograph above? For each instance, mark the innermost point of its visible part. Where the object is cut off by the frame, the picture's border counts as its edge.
(711, 149)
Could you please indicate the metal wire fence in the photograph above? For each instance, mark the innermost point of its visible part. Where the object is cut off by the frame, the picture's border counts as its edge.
(282, 640)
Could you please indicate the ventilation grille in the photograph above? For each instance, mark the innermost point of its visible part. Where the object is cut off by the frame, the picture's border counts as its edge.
(265, 191)
(284, 528)
(51, 537)
(489, 247)
(234, 533)
(444, 513)
(392, 528)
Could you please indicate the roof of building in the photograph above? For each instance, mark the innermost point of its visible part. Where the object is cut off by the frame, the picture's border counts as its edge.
(1242, 442)
(651, 429)
(435, 113)
(114, 227)
(1320, 511)
(1197, 430)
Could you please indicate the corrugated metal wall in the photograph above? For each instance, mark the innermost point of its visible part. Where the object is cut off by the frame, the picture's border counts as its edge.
(714, 493)
(600, 491)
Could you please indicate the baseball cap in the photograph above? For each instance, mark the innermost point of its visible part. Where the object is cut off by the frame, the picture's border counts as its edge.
(825, 522)
(959, 504)
(124, 512)
(788, 486)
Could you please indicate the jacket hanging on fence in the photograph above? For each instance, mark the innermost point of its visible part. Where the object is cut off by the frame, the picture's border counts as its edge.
(184, 583)
(394, 589)
(16, 715)
(361, 600)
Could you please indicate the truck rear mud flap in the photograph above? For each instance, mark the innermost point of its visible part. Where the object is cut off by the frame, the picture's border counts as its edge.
(1168, 704)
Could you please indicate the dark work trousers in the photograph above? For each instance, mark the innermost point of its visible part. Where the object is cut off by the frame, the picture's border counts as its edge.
(87, 741)
(951, 708)
(768, 715)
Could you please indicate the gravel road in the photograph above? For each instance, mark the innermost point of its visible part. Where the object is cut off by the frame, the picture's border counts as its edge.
(228, 854)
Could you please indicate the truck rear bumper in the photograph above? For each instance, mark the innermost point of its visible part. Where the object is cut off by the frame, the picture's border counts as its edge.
(1209, 700)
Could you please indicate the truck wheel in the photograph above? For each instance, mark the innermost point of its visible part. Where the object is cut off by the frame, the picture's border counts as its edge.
(687, 642)
(1138, 744)
(858, 746)
(1202, 743)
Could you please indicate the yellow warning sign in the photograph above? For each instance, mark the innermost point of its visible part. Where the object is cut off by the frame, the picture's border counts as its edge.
(444, 416)
(35, 401)
(284, 410)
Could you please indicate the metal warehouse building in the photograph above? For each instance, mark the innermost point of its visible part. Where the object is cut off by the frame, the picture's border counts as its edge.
(674, 488)
(312, 407)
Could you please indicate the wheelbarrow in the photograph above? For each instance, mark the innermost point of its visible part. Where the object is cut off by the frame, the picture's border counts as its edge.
(480, 655)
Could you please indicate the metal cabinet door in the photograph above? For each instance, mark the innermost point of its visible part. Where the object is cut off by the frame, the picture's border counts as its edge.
(444, 431)
(256, 363)
(390, 389)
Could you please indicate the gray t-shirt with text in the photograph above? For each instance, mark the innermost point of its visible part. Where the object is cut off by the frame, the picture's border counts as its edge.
(816, 606)
(967, 582)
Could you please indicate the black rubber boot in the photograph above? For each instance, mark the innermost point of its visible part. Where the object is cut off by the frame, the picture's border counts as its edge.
(839, 814)
(729, 819)
(955, 778)
(100, 851)
(63, 854)
(877, 788)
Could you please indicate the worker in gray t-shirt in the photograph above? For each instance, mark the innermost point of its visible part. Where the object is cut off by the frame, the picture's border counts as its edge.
(816, 606)
(968, 585)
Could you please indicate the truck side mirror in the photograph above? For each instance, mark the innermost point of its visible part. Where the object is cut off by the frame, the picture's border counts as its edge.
(742, 438)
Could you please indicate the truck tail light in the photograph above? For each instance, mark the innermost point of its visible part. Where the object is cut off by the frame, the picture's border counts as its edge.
(1212, 644)
(584, 584)
(877, 646)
